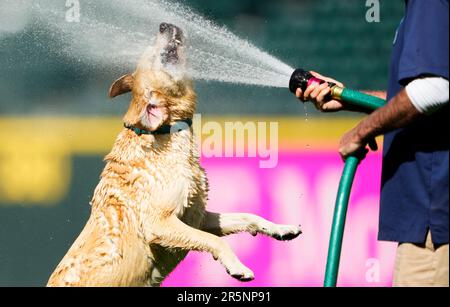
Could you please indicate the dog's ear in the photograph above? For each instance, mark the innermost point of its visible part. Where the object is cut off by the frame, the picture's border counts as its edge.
(121, 86)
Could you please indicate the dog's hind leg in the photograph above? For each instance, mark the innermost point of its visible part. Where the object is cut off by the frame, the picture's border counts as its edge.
(231, 223)
(170, 232)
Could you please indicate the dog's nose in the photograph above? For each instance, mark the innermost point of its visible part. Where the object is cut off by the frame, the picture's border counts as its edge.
(163, 27)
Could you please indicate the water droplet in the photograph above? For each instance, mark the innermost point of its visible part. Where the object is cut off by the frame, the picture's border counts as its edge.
(305, 107)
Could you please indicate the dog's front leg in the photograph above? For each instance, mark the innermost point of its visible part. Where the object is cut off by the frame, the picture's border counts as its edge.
(230, 223)
(170, 232)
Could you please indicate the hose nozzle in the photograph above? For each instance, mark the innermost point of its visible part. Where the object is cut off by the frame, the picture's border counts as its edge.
(302, 79)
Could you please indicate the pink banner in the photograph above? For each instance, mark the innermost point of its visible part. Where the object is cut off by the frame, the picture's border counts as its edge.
(300, 190)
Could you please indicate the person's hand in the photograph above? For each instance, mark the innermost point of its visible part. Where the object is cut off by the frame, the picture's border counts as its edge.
(353, 144)
(318, 94)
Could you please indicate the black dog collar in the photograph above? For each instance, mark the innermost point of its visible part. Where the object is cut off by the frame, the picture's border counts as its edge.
(179, 126)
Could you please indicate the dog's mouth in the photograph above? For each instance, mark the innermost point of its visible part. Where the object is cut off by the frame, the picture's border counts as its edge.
(174, 38)
(155, 112)
(154, 116)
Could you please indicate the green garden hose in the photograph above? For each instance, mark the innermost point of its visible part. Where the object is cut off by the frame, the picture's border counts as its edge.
(340, 213)
(370, 103)
(303, 79)
(357, 99)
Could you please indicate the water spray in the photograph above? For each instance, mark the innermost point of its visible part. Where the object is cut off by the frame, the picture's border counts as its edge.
(303, 79)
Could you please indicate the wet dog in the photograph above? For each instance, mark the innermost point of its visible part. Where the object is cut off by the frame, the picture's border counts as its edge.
(149, 208)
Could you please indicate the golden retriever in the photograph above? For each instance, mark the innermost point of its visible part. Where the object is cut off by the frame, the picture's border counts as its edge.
(149, 208)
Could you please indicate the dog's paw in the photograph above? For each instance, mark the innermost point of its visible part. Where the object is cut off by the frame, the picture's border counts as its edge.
(234, 267)
(243, 274)
(286, 232)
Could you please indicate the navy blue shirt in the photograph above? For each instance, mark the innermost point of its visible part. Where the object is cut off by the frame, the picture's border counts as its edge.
(415, 177)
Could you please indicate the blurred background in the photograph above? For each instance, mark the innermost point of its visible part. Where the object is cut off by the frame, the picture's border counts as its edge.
(56, 124)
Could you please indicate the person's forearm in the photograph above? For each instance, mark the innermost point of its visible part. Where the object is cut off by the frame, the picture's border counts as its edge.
(398, 113)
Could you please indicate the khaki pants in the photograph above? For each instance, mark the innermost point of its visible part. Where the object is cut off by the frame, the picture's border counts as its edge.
(421, 265)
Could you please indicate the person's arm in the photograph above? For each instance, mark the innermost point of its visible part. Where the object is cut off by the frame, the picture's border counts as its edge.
(421, 97)
(398, 113)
